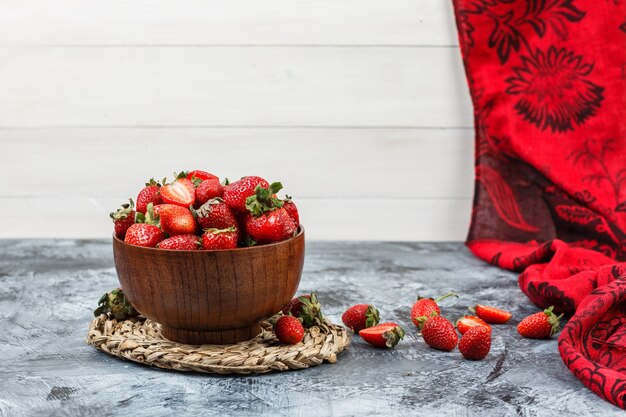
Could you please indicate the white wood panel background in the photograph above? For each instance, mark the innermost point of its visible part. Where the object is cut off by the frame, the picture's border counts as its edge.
(359, 107)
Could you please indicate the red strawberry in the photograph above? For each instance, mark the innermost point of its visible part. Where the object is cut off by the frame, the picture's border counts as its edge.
(540, 325)
(292, 210)
(491, 314)
(207, 190)
(175, 220)
(385, 335)
(180, 242)
(197, 176)
(289, 330)
(425, 307)
(220, 238)
(273, 226)
(475, 343)
(181, 192)
(123, 218)
(236, 193)
(149, 194)
(306, 307)
(467, 322)
(360, 316)
(439, 333)
(142, 234)
(215, 214)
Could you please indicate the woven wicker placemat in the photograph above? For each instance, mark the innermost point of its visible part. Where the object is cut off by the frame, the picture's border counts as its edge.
(140, 340)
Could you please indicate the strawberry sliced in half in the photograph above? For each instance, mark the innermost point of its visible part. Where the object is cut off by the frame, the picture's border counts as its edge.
(492, 314)
(467, 322)
(385, 335)
(181, 192)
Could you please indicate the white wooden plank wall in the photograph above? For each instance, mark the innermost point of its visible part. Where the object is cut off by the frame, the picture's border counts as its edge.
(358, 106)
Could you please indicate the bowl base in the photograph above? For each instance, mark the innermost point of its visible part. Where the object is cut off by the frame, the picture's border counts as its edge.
(221, 337)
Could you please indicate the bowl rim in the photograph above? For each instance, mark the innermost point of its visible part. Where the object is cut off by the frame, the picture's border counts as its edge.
(266, 245)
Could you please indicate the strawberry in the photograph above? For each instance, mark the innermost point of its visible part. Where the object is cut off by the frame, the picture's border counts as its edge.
(149, 194)
(196, 176)
(236, 193)
(274, 226)
(207, 190)
(467, 322)
(123, 218)
(439, 333)
(385, 335)
(292, 210)
(475, 343)
(220, 238)
(360, 316)
(215, 214)
(175, 220)
(143, 234)
(425, 307)
(305, 307)
(180, 242)
(540, 325)
(491, 314)
(289, 330)
(181, 192)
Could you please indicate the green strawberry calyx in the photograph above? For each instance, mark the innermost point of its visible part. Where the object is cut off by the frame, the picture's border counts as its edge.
(372, 316)
(149, 217)
(124, 211)
(205, 209)
(310, 311)
(393, 336)
(153, 182)
(553, 320)
(423, 319)
(116, 305)
(264, 199)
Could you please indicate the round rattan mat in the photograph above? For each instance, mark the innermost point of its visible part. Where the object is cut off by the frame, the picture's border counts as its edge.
(140, 340)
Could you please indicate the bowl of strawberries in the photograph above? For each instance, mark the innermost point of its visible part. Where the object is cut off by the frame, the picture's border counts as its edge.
(208, 260)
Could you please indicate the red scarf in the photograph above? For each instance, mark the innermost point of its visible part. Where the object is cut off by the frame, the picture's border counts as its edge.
(548, 84)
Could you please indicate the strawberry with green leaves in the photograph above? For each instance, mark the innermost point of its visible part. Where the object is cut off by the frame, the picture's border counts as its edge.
(425, 307)
(197, 176)
(360, 316)
(268, 221)
(181, 192)
(542, 325)
(220, 238)
(116, 305)
(215, 214)
(123, 218)
(180, 242)
(289, 330)
(305, 307)
(384, 335)
(475, 343)
(236, 193)
(149, 194)
(439, 333)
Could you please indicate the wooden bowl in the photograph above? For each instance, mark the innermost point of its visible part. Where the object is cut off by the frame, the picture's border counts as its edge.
(210, 296)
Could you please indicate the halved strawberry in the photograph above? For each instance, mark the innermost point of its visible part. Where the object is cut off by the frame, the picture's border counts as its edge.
(491, 314)
(384, 335)
(181, 192)
(467, 322)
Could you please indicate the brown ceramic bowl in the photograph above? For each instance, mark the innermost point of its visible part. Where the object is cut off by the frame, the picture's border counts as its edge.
(210, 296)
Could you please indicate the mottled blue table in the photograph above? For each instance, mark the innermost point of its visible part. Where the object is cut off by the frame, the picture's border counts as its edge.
(48, 289)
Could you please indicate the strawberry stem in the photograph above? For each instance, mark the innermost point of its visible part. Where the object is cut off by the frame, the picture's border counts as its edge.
(450, 294)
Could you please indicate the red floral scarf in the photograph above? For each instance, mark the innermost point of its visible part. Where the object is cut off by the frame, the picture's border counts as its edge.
(548, 84)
